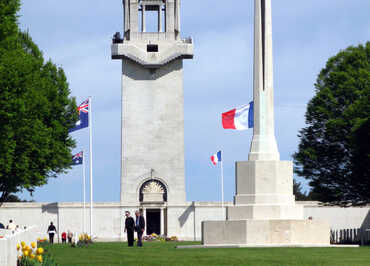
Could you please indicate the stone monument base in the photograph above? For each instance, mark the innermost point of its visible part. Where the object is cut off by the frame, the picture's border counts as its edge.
(263, 212)
(266, 232)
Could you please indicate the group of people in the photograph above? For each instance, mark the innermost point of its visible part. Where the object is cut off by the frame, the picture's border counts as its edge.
(65, 236)
(52, 231)
(131, 226)
(11, 226)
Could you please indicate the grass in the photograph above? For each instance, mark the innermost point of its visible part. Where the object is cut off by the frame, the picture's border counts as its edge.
(161, 254)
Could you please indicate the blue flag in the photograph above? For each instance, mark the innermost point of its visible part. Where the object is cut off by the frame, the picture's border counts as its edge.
(77, 159)
(83, 121)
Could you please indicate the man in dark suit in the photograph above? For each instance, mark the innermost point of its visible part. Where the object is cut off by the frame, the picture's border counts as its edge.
(139, 227)
(129, 228)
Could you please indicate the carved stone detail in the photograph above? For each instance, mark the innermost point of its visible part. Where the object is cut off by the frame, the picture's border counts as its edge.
(153, 187)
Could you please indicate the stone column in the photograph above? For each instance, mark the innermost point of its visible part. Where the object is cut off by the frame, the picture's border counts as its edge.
(144, 214)
(146, 221)
(178, 13)
(160, 18)
(133, 19)
(170, 17)
(264, 211)
(126, 16)
(264, 184)
(162, 221)
(263, 146)
(143, 28)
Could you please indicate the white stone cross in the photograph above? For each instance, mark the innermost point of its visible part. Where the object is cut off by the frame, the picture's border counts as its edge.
(263, 146)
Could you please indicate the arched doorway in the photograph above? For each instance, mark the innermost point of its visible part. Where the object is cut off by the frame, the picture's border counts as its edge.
(153, 196)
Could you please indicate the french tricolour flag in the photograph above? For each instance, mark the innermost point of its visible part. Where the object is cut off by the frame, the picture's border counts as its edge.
(239, 118)
(216, 158)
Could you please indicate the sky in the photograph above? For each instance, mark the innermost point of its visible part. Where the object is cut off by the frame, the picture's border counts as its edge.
(76, 35)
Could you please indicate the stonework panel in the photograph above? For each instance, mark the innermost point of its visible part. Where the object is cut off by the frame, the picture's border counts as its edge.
(153, 129)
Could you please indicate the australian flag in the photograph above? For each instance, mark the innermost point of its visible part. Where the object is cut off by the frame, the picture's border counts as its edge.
(83, 121)
(77, 159)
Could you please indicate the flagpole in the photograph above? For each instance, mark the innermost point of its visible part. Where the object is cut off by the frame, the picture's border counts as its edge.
(91, 174)
(84, 189)
(222, 180)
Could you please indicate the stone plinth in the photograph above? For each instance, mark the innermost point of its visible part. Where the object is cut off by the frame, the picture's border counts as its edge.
(264, 190)
(264, 211)
(266, 232)
(264, 183)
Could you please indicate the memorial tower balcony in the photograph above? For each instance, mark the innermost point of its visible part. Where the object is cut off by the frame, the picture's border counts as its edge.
(152, 34)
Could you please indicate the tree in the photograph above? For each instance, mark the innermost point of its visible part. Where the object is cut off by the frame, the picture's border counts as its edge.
(301, 195)
(334, 151)
(36, 111)
(298, 193)
(15, 198)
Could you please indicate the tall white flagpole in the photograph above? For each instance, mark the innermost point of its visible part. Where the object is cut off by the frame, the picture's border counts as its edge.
(91, 170)
(222, 181)
(84, 188)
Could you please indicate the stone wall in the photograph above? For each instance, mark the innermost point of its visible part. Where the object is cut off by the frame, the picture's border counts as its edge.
(108, 222)
(183, 221)
(340, 218)
(8, 244)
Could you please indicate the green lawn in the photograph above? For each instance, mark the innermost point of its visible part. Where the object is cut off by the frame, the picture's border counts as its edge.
(161, 254)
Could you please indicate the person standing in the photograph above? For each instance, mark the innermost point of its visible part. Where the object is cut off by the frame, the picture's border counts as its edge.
(64, 237)
(139, 227)
(51, 231)
(129, 228)
(11, 225)
(69, 236)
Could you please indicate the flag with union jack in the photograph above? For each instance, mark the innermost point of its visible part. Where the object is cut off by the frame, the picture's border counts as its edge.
(77, 159)
(83, 111)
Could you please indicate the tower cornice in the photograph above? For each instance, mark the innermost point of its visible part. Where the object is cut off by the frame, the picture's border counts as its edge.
(138, 52)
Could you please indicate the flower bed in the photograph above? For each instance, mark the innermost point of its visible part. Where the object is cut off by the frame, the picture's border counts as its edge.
(44, 240)
(155, 237)
(84, 240)
(33, 255)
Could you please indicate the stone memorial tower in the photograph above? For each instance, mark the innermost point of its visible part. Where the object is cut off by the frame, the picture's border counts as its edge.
(264, 211)
(152, 166)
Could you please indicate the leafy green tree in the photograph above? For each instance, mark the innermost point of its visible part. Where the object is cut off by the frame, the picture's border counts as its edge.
(36, 111)
(334, 150)
(8, 18)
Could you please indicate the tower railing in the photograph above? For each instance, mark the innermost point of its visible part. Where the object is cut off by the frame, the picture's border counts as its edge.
(188, 40)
